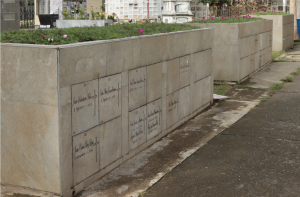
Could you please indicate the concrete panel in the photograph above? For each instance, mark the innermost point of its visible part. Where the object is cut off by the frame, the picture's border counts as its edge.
(172, 109)
(66, 147)
(184, 100)
(252, 63)
(207, 63)
(224, 33)
(25, 80)
(198, 95)
(110, 142)
(244, 67)
(226, 65)
(84, 106)
(172, 75)
(81, 63)
(207, 39)
(184, 71)
(115, 56)
(198, 66)
(154, 76)
(252, 44)
(86, 153)
(207, 90)
(29, 131)
(125, 114)
(156, 46)
(137, 88)
(137, 127)
(110, 98)
(181, 44)
(154, 119)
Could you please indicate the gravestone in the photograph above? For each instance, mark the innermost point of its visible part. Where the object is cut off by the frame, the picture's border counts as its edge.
(84, 106)
(184, 71)
(172, 109)
(137, 127)
(137, 88)
(110, 97)
(86, 153)
(154, 118)
(10, 15)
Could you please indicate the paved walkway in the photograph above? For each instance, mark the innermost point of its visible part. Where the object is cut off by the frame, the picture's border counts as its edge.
(257, 156)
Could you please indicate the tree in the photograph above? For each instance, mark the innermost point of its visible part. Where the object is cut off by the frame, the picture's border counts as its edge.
(293, 9)
(215, 2)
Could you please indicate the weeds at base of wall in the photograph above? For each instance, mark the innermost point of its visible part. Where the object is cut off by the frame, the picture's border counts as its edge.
(297, 72)
(276, 54)
(222, 89)
(276, 87)
(287, 79)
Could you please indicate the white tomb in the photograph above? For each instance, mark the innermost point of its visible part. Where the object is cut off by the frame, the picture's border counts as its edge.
(176, 11)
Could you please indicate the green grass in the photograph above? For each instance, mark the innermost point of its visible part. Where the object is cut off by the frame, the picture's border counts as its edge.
(222, 89)
(267, 12)
(227, 19)
(264, 98)
(275, 87)
(287, 79)
(296, 72)
(276, 54)
(83, 34)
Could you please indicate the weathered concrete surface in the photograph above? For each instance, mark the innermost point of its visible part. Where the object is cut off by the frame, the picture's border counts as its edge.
(257, 156)
(273, 74)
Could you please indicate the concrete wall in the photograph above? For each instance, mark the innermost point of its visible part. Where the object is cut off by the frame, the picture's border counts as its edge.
(30, 153)
(82, 23)
(10, 15)
(240, 49)
(283, 31)
(114, 99)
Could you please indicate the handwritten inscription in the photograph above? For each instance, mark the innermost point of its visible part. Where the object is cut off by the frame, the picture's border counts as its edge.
(84, 106)
(110, 97)
(136, 84)
(137, 88)
(173, 105)
(137, 127)
(80, 99)
(153, 118)
(88, 147)
(184, 68)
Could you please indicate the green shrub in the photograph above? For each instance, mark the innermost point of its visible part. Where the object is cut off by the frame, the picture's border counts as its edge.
(225, 19)
(268, 12)
(83, 34)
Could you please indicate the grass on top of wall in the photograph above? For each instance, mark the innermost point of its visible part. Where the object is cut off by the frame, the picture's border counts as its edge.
(268, 12)
(82, 34)
(227, 19)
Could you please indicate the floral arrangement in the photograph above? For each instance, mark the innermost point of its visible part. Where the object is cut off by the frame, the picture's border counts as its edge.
(65, 13)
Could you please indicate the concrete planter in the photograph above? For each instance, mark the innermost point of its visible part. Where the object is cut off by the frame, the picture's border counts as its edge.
(283, 31)
(72, 113)
(82, 23)
(240, 49)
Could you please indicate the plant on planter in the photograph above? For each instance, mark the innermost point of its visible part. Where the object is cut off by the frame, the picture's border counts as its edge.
(65, 13)
(83, 34)
(225, 19)
(93, 14)
(110, 17)
(268, 12)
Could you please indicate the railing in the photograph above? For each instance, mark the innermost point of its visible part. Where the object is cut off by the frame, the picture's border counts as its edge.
(27, 17)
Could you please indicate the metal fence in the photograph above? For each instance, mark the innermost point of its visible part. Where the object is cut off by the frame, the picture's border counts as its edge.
(27, 17)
